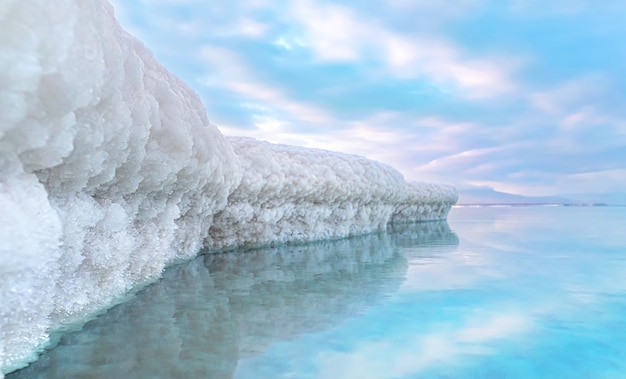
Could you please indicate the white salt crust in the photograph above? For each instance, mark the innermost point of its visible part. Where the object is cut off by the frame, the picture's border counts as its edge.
(110, 171)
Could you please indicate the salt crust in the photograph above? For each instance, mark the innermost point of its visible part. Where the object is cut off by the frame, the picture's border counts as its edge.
(110, 171)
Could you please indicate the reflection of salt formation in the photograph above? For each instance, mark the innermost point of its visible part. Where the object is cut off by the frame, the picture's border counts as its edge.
(436, 233)
(205, 315)
(340, 280)
(176, 328)
(110, 170)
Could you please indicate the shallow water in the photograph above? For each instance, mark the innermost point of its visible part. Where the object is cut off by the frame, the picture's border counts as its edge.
(518, 292)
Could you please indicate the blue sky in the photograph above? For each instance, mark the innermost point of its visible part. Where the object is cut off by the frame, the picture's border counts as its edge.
(523, 96)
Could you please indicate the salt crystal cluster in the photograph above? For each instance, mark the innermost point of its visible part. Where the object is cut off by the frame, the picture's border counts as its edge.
(110, 171)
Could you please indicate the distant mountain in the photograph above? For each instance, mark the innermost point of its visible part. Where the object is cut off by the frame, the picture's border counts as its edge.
(490, 196)
(612, 198)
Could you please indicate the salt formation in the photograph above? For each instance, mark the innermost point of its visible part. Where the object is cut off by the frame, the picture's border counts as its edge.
(293, 194)
(110, 171)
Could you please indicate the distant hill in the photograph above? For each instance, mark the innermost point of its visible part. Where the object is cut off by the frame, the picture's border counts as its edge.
(612, 198)
(489, 196)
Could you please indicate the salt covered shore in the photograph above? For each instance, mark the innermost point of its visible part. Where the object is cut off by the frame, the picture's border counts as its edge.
(110, 170)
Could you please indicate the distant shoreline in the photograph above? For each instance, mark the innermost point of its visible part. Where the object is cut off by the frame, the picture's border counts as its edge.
(481, 205)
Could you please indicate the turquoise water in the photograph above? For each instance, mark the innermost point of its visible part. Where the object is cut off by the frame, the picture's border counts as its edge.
(509, 292)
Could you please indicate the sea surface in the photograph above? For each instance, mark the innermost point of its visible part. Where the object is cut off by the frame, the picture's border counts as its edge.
(496, 292)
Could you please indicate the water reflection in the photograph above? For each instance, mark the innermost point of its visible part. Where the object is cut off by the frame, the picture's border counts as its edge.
(203, 317)
(529, 293)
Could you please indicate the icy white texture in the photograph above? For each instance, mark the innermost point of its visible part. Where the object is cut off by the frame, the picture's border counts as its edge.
(110, 171)
(289, 193)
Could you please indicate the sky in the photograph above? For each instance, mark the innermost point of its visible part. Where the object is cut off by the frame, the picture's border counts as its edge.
(521, 96)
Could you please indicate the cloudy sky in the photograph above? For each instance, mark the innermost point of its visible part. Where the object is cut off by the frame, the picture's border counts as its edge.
(523, 96)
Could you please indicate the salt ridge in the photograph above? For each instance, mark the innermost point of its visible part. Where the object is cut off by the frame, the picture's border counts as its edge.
(110, 171)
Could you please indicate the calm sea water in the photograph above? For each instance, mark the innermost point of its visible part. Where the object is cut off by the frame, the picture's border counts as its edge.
(517, 292)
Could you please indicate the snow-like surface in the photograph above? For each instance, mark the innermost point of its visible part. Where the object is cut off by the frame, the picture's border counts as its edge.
(110, 171)
(289, 193)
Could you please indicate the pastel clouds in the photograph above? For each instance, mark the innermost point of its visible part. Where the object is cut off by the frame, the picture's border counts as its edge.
(338, 33)
(523, 96)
